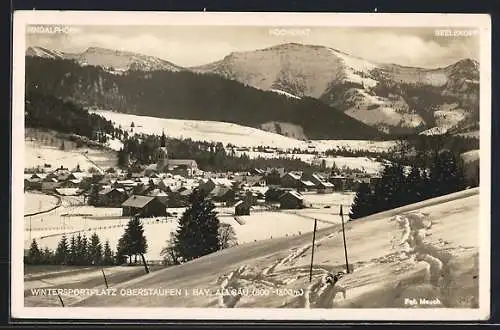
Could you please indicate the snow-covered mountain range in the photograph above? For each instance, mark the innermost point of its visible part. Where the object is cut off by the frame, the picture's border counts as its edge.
(387, 96)
(390, 97)
(115, 61)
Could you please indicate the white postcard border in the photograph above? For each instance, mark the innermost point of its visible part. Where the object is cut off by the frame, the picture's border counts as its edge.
(23, 18)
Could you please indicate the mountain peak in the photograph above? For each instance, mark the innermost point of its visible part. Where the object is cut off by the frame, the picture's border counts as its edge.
(38, 51)
(97, 49)
(293, 45)
(467, 62)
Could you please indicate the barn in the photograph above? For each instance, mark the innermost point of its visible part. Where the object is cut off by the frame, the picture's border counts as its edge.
(291, 200)
(112, 197)
(242, 208)
(145, 206)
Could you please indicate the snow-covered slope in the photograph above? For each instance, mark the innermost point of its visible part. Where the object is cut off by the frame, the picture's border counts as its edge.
(370, 92)
(238, 135)
(44, 52)
(428, 250)
(200, 130)
(115, 61)
(293, 68)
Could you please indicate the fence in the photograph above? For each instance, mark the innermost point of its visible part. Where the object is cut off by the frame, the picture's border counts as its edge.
(90, 229)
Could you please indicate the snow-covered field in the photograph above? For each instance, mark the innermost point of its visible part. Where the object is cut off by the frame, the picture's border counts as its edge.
(242, 136)
(427, 250)
(267, 225)
(369, 165)
(332, 199)
(34, 202)
(108, 223)
(73, 217)
(37, 154)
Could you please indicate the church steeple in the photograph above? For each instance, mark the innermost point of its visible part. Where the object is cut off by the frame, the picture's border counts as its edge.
(163, 140)
(161, 160)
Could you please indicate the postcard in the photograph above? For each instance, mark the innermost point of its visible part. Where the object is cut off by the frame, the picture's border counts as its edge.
(251, 166)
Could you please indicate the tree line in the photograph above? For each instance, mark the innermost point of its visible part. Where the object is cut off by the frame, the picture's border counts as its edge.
(50, 112)
(401, 185)
(209, 156)
(77, 251)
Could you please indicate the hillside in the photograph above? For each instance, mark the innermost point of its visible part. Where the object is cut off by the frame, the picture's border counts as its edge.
(425, 250)
(113, 61)
(389, 97)
(186, 95)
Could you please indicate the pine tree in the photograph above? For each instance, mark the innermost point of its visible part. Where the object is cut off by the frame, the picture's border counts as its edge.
(47, 256)
(34, 254)
(95, 250)
(122, 158)
(78, 250)
(62, 252)
(389, 191)
(134, 239)
(84, 252)
(198, 230)
(363, 204)
(123, 250)
(73, 253)
(446, 174)
(93, 198)
(108, 259)
(415, 186)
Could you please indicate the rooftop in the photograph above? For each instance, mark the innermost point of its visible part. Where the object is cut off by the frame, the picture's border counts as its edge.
(138, 201)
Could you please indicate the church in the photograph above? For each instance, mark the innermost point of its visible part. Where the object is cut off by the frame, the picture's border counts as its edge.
(184, 167)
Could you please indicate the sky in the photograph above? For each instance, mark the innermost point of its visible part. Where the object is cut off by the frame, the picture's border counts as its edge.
(197, 45)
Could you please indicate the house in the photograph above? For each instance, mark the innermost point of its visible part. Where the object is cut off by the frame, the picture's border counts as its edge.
(222, 194)
(38, 176)
(49, 186)
(257, 171)
(319, 182)
(241, 208)
(77, 176)
(356, 182)
(305, 185)
(210, 184)
(145, 206)
(273, 194)
(111, 197)
(255, 181)
(291, 180)
(183, 167)
(339, 182)
(143, 189)
(291, 200)
(160, 194)
(179, 197)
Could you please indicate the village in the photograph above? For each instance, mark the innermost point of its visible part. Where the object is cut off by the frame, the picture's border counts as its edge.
(260, 204)
(168, 183)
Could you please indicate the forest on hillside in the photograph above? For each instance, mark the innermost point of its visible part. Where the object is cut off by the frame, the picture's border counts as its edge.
(188, 95)
(49, 112)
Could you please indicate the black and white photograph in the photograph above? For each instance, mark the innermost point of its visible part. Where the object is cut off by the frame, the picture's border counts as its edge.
(286, 166)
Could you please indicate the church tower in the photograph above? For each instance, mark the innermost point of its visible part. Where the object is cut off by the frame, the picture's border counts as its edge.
(162, 156)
